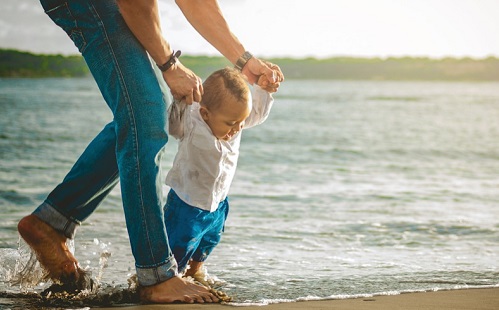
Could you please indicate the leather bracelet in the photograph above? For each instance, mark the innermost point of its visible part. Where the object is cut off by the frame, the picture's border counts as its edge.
(241, 62)
(170, 62)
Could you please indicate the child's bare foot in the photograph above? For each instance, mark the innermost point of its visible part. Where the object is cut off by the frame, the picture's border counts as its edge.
(194, 267)
(196, 272)
(176, 289)
(51, 249)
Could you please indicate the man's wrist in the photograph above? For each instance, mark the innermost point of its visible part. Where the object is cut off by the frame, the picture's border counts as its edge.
(243, 60)
(170, 62)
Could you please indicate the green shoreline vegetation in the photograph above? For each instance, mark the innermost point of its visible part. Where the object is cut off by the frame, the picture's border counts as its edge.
(14, 63)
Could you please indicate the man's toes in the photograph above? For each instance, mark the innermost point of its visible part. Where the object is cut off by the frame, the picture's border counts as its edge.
(187, 299)
(199, 299)
(210, 299)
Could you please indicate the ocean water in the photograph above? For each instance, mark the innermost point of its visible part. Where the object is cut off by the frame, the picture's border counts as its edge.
(351, 188)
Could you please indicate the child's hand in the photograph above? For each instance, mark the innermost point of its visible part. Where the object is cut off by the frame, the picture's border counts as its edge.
(264, 82)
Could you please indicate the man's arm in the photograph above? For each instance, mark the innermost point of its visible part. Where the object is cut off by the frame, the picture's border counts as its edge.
(207, 18)
(142, 17)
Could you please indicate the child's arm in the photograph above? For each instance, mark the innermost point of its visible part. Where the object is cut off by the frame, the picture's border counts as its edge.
(176, 114)
(262, 98)
(262, 103)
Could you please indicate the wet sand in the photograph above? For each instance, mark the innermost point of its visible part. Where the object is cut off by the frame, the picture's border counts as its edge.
(466, 299)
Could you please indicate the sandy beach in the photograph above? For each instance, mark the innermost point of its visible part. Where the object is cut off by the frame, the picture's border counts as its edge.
(466, 299)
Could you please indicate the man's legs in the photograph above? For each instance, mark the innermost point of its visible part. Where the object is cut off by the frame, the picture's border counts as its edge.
(137, 136)
(127, 81)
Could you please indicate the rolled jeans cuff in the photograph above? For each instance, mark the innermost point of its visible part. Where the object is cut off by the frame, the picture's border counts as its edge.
(148, 276)
(58, 221)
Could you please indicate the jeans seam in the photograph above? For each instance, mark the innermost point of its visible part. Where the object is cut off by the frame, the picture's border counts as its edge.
(133, 124)
(75, 31)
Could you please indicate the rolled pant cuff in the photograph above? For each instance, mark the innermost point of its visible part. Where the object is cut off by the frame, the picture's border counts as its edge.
(58, 221)
(148, 276)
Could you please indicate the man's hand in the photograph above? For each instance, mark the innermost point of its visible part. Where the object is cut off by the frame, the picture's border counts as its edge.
(254, 68)
(184, 84)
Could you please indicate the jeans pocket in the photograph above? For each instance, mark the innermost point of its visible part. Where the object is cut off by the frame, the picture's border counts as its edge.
(62, 17)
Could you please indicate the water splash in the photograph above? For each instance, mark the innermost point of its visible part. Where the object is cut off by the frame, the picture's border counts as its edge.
(31, 288)
(105, 254)
(23, 269)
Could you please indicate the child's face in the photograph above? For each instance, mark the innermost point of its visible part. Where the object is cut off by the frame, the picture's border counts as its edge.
(226, 120)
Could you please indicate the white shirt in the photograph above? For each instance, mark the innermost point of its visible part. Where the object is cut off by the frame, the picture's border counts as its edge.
(204, 166)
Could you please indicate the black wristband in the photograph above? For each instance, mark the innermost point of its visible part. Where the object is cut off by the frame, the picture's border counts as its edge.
(170, 62)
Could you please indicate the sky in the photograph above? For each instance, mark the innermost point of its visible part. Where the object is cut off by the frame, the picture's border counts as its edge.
(301, 28)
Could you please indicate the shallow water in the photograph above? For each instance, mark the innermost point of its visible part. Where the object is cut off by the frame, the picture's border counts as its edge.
(350, 188)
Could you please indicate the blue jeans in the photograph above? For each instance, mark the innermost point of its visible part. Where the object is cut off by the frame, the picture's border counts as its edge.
(193, 232)
(128, 149)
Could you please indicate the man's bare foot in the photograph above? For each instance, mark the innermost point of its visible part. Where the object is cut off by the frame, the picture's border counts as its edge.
(51, 249)
(176, 289)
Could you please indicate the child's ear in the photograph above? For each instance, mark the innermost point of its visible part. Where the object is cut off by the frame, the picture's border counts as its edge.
(204, 113)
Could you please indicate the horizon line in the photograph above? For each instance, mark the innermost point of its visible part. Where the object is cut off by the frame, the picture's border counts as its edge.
(304, 57)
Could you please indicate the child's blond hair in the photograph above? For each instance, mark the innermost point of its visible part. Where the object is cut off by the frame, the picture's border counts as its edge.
(224, 83)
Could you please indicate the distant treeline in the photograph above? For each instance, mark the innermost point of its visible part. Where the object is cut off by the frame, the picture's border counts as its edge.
(23, 64)
(402, 68)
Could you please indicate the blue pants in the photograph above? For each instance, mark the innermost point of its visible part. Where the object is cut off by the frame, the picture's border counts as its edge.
(193, 232)
(128, 149)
